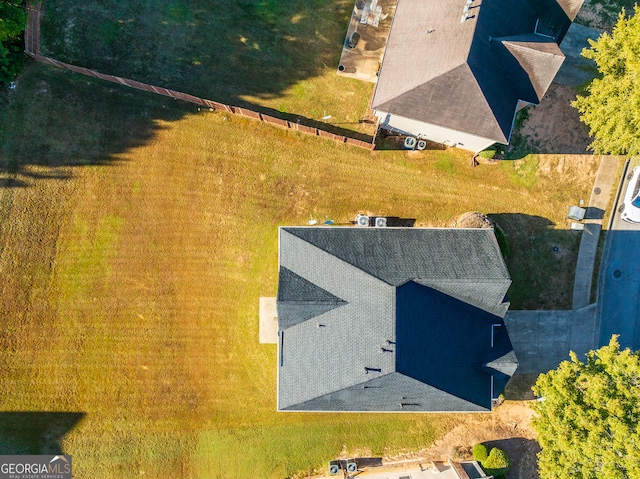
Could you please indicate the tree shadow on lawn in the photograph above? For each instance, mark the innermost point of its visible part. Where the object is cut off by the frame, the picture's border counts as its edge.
(239, 48)
(35, 433)
(542, 262)
(56, 120)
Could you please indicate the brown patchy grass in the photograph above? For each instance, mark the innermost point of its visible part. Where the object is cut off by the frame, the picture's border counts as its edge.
(130, 288)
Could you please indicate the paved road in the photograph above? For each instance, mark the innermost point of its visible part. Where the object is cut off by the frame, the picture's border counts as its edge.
(619, 293)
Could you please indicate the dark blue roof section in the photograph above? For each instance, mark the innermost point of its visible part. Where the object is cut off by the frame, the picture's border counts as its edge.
(445, 343)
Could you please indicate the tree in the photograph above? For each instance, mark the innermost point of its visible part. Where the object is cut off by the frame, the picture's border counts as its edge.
(13, 20)
(588, 418)
(611, 105)
(497, 464)
(480, 452)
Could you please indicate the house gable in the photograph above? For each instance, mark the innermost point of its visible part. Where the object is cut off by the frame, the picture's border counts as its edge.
(533, 61)
(446, 70)
(454, 100)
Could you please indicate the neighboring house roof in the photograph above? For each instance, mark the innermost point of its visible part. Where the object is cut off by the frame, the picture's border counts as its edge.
(470, 75)
(391, 319)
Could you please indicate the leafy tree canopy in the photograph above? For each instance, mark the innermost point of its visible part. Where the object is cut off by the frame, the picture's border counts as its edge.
(13, 18)
(588, 420)
(611, 105)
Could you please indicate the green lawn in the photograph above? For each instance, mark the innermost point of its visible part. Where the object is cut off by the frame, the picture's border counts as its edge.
(275, 56)
(137, 236)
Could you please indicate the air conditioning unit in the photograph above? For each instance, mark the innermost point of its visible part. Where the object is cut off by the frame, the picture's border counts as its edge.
(421, 145)
(381, 222)
(334, 468)
(410, 143)
(351, 465)
(362, 220)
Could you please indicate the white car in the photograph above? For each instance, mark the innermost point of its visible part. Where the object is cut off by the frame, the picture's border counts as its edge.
(630, 208)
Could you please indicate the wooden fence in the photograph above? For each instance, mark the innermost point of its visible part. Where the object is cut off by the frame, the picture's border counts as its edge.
(32, 48)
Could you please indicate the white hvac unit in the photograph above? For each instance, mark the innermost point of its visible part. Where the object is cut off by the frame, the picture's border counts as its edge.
(351, 465)
(381, 222)
(421, 145)
(410, 143)
(362, 220)
(334, 468)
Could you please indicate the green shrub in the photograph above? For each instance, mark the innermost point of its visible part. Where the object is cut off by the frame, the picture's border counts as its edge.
(480, 453)
(497, 464)
(489, 153)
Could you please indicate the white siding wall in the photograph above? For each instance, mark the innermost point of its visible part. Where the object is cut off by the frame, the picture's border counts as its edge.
(433, 133)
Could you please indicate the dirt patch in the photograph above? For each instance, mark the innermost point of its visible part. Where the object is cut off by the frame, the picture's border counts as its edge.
(551, 166)
(554, 126)
(473, 219)
(602, 14)
(507, 427)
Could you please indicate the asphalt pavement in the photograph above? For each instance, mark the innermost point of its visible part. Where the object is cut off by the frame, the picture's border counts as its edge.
(619, 294)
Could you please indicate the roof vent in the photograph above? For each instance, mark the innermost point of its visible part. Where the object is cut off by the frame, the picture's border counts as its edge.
(362, 220)
(381, 222)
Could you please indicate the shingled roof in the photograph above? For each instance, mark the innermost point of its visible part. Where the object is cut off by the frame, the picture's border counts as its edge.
(391, 319)
(469, 76)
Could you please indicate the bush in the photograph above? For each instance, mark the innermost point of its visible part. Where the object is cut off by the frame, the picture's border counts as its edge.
(480, 453)
(497, 464)
(489, 153)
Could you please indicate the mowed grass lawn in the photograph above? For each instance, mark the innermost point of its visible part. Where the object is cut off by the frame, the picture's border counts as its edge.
(137, 235)
(270, 55)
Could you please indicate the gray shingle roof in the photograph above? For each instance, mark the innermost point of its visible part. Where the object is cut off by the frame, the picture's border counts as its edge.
(371, 319)
(538, 59)
(439, 70)
(301, 300)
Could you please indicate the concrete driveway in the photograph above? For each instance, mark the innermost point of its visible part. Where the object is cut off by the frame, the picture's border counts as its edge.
(619, 293)
(576, 70)
(543, 339)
